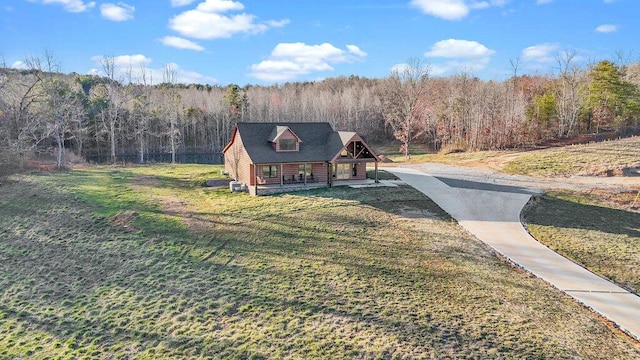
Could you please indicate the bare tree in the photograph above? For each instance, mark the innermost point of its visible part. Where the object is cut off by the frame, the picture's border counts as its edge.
(115, 103)
(172, 108)
(403, 102)
(569, 97)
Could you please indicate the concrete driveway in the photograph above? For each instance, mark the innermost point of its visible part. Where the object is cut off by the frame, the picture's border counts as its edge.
(491, 212)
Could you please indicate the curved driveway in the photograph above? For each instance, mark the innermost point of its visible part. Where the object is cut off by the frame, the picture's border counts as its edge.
(489, 208)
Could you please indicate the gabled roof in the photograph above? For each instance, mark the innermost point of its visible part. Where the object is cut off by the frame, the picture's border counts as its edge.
(278, 130)
(318, 141)
(337, 141)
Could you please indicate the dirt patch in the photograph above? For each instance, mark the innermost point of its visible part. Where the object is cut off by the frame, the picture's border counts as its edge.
(144, 180)
(496, 163)
(174, 205)
(412, 213)
(625, 200)
(124, 219)
(606, 171)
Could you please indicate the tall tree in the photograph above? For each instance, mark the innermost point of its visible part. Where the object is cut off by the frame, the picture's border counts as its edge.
(611, 99)
(116, 99)
(570, 100)
(61, 106)
(172, 108)
(404, 100)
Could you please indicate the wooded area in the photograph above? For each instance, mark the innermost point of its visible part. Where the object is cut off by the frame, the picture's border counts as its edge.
(121, 117)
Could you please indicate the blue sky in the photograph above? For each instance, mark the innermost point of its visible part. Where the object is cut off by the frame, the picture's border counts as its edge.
(276, 41)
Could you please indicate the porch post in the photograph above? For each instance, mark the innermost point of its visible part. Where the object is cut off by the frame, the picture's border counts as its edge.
(255, 178)
(377, 171)
(281, 174)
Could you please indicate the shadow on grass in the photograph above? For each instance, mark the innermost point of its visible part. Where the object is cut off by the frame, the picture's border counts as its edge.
(558, 212)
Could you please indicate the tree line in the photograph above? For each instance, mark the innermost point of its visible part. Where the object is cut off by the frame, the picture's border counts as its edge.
(118, 115)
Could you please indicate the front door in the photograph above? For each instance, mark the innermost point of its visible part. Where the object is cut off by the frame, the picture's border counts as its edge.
(343, 171)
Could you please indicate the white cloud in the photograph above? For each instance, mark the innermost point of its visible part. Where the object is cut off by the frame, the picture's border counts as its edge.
(277, 23)
(208, 21)
(454, 48)
(20, 65)
(219, 6)
(74, 6)
(541, 53)
(134, 64)
(460, 55)
(192, 77)
(178, 3)
(607, 28)
(399, 68)
(356, 51)
(135, 60)
(124, 61)
(117, 12)
(446, 9)
(453, 9)
(180, 43)
(292, 60)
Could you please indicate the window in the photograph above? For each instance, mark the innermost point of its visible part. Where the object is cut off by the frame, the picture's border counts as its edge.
(304, 169)
(287, 144)
(269, 171)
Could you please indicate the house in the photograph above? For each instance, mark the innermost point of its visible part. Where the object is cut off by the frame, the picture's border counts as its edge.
(263, 156)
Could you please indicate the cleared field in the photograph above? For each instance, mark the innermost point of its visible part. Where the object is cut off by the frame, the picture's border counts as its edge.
(143, 263)
(604, 158)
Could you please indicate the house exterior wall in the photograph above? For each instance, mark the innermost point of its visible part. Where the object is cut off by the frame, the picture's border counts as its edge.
(361, 172)
(237, 162)
(320, 172)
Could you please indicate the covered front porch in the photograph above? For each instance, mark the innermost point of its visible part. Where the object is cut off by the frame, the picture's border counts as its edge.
(277, 189)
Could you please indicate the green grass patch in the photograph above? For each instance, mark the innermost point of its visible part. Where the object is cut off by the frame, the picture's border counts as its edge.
(382, 175)
(141, 262)
(586, 229)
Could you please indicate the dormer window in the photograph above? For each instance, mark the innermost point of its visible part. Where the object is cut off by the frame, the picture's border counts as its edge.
(287, 144)
(283, 139)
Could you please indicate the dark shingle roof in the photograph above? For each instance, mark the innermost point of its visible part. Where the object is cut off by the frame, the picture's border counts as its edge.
(319, 142)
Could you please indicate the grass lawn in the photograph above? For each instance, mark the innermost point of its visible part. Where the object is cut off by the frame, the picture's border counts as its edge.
(603, 158)
(588, 159)
(142, 262)
(585, 227)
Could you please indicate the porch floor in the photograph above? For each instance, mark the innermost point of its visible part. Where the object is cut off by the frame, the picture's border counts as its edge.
(277, 188)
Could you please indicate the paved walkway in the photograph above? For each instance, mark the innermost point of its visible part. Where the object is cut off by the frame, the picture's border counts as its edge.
(492, 213)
